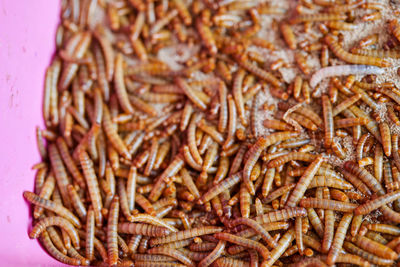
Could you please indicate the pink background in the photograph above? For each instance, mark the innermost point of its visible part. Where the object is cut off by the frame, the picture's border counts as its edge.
(27, 35)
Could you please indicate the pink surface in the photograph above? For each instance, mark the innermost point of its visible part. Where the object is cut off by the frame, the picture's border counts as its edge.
(27, 35)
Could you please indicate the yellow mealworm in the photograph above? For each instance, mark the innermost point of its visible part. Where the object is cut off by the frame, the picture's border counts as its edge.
(283, 244)
(255, 152)
(328, 204)
(365, 176)
(351, 58)
(368, 256)
(264, 252)
(374, 247)
(288, 35)
(52, 206)
(328, 121)
(376, 203)
(45, 192)
(76, 202)
(93, 186)
(42, 224)
(339, 238)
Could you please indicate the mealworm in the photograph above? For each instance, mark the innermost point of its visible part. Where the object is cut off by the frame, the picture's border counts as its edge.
(280, 215)
(59, 173)
(215, 254)
(328, 121)
(255, 152)
(365, 176)
(368, 256)
(351, 58)
(328, 204)
(343, 70)
(257, 228)
(205, 230)
(376, 203)
(264, 252)
(112, 236)
(260, 73)
(299, 235)
(45, 240)
(52, 206)
(113, 136)
(42, 224)
(288, 35)
(283, 244)
(339, 238)
(374, 247)
(77, 202)
(317, 17)
(93, 186)
(89, 235)
(304, 181)
(384, 228)
(329, 225)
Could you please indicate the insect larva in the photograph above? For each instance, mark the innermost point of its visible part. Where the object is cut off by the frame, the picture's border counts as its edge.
(328, 227)
(43, 223)
(204, 230)
(161, 154)
(291, 156)
(112, 235)
(192, 139)
(288, 35)
(384, 228)
(280, 215)
(349, 122)
(338, 150)
(282, 246)
(152, 258)
(255, 152)
(390, 214)
(45, 192)
(345, 104)
(299, 235)
(365, 176)
(76, 47)
(157, 264)
(217, 189)
(113, 136)
(340, 25)
(89, 235)
(277, 125)
(146, 218)
(312, 243)
(339, 238)
(366, 255)
(215, 254)
(189, 92)
(244, 199)
(92, 184)
(268, 179)
(301, 61)
(260, 73)
(328, 204)
(206, 36)
(145, 204)
(328, 121)
(76, 202)
(301, 120)
(344, 7)
(142, 229)
(351, 58)
(343, 70)
(47, 243)
(317, 17)
(258, 228)
(319, 195)
(339, 195)
(315, 221)
(245, 243)
(376, 203)
(277, 193)
(120, 85)
(60, 173)
(386, 138)
(238, 96)
(376, 53)
(123, 199)
(374, 247)
(211, 131)
(52, 206)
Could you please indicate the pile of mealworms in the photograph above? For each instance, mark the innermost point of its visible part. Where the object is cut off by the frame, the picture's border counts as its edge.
(159, 151)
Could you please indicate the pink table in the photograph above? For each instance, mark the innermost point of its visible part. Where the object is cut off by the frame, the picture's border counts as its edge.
(27, 34)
